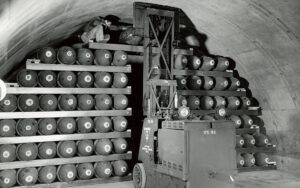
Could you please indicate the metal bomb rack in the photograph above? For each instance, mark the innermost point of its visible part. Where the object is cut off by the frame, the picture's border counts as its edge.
(12, 88)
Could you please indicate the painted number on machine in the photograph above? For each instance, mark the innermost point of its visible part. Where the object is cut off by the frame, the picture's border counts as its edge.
(210, 132)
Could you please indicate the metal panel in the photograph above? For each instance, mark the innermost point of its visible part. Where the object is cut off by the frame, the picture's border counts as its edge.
(57, 114)
(60, 161)
(63, 137)
(89, 68)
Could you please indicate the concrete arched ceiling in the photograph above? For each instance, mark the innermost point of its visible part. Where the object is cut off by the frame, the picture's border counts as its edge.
(262, 36)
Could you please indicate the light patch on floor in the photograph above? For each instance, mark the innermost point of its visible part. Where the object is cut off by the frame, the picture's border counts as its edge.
(126, 184)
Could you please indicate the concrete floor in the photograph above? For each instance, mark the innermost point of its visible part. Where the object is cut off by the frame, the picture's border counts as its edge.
(259, 179)
(126, 184)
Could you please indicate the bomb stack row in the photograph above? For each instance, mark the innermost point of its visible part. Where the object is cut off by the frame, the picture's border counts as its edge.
(62, 149)
(64, 102)
(63, 173)
(64, 125)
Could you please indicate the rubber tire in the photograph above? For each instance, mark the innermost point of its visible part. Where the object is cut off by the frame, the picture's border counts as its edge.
(139, 182)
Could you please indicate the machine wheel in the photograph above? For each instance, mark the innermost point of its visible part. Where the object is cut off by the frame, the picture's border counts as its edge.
(139, 176)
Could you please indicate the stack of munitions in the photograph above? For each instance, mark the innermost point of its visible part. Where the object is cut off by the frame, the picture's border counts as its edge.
(207, 83)
(65, 121)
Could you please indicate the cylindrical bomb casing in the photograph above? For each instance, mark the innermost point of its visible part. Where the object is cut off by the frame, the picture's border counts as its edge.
(47, 78)
(120, 168)
(47, 55)
(103, 79)
(120, 123)
(7, 153)
(47, 126)
(220, 101)
(27, 127)
(240, 160)
(103, 146)
(67, 102)
(85, 102)
(85, 124)
(48, 102)
(237, 120)
(194, 82)
(66, 79)
(85, 147)
(27, 151)
(85, 56)
(66, 125)
(181, 82)
(222, 64)
(120, 102)
(9, 103)
(85, 171)
(239, 141)
(234, 84)
(103, 102)
(7, 127)
(85, 79)
(66, 149)
(47, 150)
(181, 62)
(246, 103)
(249, 159)
(221, 83)
(66, 172)
(120, 80)
(27, 176)
(208, 63)
(207, 103)
(120, 58)
(27, 78)
(261, 159)
(193, 102)
(47, 174)
(249, 140)
(28, 103)
(247, 121)
(261, 140)
(103, 169)
(194, 62)
(66, 55)
(8, 178)
(233, 103)
(103, 124)
(208, 83)
(103, 57)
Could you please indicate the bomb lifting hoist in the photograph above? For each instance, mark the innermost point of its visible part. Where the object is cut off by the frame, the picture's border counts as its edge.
(175, 149)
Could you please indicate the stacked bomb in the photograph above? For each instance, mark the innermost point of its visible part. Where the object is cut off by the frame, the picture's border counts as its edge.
(250, 141)
(62, 149)
(64, 102)
(66, 125)
(205, 63)
(64, 173)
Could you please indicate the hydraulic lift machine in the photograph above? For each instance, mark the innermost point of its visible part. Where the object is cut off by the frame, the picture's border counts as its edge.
(176, 150)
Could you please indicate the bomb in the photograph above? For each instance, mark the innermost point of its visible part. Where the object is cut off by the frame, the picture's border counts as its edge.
(103, 79)
(120, 168)
(249, 159)
(120, 123)
(47, 150)
(208, 83)
(220, 102)
(27, 151)
(85, 147)
(181, 82)
(47, 174)
(261, 159)
(66, 79)
(47, 78)
(85, 56)
(194, 82)
(120, 80)
(247, 121)
(48, 102)
(85, 102)
(27, 78)
(240, 160)
(222, 64)
(85, 79)
(27, 127)
(194, 63)
(120, 102)
(182, 101)
(208, 63)
(120, 58)
(193, 102)
(234, 84)
(239, 141)
(85, 125)
(103, 146)
(66, 149)
(7, 153)
(85, 171)
(120, 145)
(103, 57)
(249, 140)
(233, 103)
(261, 140)
(207, 103)
(66, 173)
(237, 121)
(181, 62)
(8, 178)
(221, 83)
(47, 126)
(7, 127)
(9, 103)
(67, 102)
(103, 124)
(27, 176)
(103, 169)
(28, 103)
(66, 55)
(47, 55)
(246, 103)
(66, 125)
(103, 102)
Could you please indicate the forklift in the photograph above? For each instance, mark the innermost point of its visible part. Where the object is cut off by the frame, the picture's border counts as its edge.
(177, 150)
